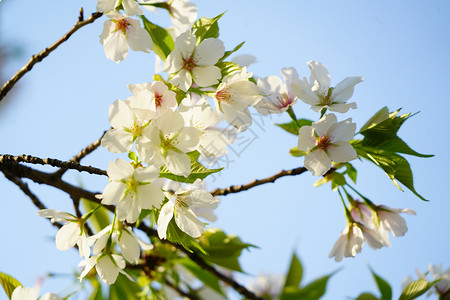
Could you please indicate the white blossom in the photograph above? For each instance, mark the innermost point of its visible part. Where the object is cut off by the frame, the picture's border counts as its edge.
(190, 62)
(159, 100)
(131, 7)
(21, 293)
(233, 97)
(108, 267)
(180, 206)
(278, 97)
(318, 92)
(121, 32)
(131, 189)
(69, 235)
(168, 142)
(325, 141)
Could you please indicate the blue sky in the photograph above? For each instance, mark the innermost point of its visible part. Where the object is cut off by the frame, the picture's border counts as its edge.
(401, 48)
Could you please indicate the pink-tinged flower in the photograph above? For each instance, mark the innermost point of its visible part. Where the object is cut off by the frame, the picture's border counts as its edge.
(190, 62)
(160, 97)
(278, 96)
(121, 32)
(318, 92)
(352, 239)
(234, 96)
(325, 141)
(131, 7)
(131, 189)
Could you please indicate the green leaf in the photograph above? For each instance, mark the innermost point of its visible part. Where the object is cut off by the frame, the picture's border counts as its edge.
(416, 288)
(124, 289)
(223, 249)
(100, 218)
(175, 235)
(293, 126)
(337, 180)
(228, 53)
(395, 166)
(97, 289)
(296, 153)
(351, 172)
(206, 277)
(383, 286)
(227, 68)
(376, 119)
(8, 283)
(383, 135)
(295, 273)
(198, 171)
(206, 28)
(162, 41)
(312, 291)
(366, 296)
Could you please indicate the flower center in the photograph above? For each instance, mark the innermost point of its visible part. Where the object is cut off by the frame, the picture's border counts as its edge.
(189, 63)
(168, 143)
(324, 142)
(136, 130)
(223, 95)
(326, 99)
(158, 100)
(284, 100)
(132, 185)
(122, 25)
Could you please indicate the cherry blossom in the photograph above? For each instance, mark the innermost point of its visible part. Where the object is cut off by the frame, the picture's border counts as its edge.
(325, 141)
(71, 234)
(180, 206)
(159, 99)
(131, 189)
(121, 32)
(190, 62)
(168, 142)
(131, 7)
(278, 97)
(108, 267)
(233, 97)
(21, 293)
(318, 92)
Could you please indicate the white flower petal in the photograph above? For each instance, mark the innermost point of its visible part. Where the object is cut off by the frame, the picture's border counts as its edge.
(117, 141)
(317, 162)
(129, 246)
(209, 51)
(150, 196)
(188, 222)
(67, 236)
(306, 138)
(206, 75)
(113, 193)
(107, 270)
(178, 163)
(344, 89)
(164, 218)
(342, 152)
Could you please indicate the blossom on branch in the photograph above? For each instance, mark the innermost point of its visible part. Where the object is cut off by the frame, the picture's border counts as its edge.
(278, 97)
(108, 267)
(325, 141)
(131, 189)
(69, 235)
(190, 62)
(121, 32)
(160, 97)
(318, 92)
(180, 206)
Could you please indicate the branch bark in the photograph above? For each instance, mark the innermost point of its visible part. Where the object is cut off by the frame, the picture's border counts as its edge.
(257, 182)
(44, 53)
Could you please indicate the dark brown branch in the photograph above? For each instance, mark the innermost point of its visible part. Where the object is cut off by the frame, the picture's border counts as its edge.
(52, 162)
(83, 153)
(44, 53)
(256, 182)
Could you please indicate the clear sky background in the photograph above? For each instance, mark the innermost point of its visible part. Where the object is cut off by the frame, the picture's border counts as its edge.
(401, 48)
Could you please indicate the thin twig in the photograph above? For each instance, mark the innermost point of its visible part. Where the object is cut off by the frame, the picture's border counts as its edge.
(83, 153)
(256, 182)
(44, 53)
(5, 158)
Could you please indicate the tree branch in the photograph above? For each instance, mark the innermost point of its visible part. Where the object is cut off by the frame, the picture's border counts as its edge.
(44, 53)
(83, 153)
(256, 182)
(52, 162)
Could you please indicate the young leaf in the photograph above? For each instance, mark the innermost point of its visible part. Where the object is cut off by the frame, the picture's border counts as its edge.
(295, 273)
(383, 286)
(198, 171)
(416, 288)
(293, 126)
(223, 249)
(175, 235)
(296, 153)
(8, 283)
(395, 166)
(313, 291)
(162, 41)
(206, 28)
(227, 68)
(366, 296)
(206, 277)
(376, 119)
(228, 53)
